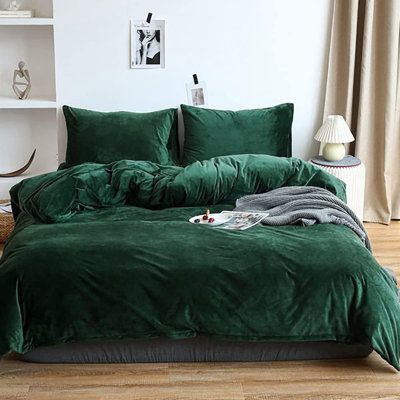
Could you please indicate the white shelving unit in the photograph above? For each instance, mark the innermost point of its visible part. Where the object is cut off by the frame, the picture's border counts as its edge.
(26, 21)
(29, 124)
(9, 103)
(17, 179)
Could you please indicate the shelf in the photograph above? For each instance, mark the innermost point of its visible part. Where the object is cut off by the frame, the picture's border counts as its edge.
(7, 183)
(33, 123)
(26, 21)
(9, 102)
(13, 181)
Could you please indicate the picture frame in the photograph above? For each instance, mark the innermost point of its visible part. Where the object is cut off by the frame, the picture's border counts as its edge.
(147, 44)
(197, 94)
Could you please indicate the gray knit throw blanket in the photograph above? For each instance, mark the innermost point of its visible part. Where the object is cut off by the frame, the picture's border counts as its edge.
(306, 205)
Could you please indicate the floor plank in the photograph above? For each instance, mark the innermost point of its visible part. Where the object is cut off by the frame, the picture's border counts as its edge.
(386, 244)
(200, 391)
(365, 379)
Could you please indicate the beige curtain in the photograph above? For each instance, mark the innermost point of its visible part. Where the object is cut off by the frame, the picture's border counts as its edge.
(364, 86)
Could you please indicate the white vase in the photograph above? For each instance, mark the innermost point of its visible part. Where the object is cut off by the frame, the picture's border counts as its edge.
(334, 151)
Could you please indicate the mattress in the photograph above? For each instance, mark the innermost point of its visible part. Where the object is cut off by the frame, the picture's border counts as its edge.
(200, 349)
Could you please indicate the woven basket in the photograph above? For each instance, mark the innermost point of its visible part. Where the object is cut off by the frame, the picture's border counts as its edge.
(6, 224)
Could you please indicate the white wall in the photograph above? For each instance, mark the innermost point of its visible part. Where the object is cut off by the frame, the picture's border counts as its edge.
(253, 53)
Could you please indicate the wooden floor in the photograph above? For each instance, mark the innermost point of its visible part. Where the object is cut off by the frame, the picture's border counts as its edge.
(317, 380)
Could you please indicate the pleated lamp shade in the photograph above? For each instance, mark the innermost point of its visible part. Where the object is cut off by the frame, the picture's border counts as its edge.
(334, 130)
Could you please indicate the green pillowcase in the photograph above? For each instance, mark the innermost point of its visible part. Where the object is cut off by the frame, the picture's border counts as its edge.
(213, 133)
(106, 137)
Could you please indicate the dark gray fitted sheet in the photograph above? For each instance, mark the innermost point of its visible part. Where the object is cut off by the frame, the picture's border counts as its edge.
(200, 349)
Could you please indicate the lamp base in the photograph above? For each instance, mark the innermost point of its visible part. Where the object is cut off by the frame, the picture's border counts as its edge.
(334, 151)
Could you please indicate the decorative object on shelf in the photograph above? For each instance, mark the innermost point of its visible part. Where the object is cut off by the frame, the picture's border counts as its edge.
(23, 74)
(333, 133)
(196, 92)
(14, 11)
(17, 14)
(21, 170)
(352, 172)
(147, 43)
(14, 5)
(6, 221)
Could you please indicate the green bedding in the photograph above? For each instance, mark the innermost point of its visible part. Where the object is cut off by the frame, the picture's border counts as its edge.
(105, 252)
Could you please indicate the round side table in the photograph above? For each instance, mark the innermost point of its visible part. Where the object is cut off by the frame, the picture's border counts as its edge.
(352, 172)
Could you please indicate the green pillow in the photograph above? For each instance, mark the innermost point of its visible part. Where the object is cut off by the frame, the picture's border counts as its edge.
(213, 133)
(106, 137)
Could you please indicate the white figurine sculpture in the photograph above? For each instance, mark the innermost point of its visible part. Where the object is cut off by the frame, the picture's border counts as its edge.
(14, 5)
(23, 74)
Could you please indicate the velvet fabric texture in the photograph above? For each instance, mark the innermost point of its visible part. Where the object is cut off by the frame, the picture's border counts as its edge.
(57, 196)
(106, 137)
(212, 133)
(106, 252)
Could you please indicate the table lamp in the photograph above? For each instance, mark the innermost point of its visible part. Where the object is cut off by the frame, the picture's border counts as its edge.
(333, 133)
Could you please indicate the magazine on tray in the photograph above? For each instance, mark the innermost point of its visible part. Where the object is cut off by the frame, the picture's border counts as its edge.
(241, 220)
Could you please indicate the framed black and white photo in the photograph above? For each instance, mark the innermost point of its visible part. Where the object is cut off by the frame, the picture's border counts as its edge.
(147, 44)
(197, 94)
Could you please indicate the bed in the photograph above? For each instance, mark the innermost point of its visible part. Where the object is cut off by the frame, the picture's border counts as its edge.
(103, 266)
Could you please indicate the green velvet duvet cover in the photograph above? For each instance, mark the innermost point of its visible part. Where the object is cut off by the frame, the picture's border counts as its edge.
(106, 252)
